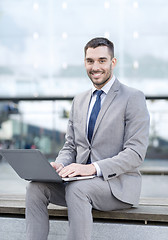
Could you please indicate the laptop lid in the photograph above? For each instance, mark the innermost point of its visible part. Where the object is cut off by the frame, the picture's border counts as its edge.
(32, 165)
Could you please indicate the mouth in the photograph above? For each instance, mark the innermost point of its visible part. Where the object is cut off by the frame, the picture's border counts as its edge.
(96, 74)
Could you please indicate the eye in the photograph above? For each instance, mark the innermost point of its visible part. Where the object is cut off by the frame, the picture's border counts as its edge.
(89, 61)
(102, 61)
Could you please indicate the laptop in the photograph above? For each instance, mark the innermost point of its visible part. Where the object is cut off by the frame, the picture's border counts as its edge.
(32, 165)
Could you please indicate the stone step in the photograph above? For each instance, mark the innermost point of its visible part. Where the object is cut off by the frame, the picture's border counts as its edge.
(14, 229)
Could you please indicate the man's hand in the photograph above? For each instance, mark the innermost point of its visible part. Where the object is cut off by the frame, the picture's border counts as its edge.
(76, 169)
(57, 166)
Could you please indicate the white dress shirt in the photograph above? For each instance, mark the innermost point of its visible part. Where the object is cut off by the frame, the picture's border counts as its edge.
(105, 89)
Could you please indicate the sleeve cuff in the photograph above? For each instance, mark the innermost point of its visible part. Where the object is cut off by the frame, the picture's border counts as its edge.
(98, 170)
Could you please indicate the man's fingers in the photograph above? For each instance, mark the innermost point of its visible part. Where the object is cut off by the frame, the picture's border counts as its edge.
(53, 164)
(73, 170)
(67, 171)
(59, 169)
(73, 175)
(57, 166)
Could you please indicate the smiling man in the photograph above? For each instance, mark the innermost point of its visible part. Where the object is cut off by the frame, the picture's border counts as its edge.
(99, 63)
(107, 136)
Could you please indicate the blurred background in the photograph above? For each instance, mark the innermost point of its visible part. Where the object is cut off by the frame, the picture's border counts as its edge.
(42, 68)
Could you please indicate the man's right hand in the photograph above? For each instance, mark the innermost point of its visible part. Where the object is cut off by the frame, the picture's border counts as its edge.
(57, 166)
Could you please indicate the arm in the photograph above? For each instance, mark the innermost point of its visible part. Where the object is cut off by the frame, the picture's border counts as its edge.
(135, 140)
(67, 156)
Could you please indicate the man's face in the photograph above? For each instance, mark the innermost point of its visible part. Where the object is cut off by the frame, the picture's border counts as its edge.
(99, 65)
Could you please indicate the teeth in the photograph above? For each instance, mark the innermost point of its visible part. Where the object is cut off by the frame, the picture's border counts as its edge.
(96, 74)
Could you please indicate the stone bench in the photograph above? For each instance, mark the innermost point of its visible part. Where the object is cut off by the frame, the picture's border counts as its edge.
(149, 210)
(148, 221)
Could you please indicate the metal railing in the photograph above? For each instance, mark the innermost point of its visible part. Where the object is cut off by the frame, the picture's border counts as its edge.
(158, 148)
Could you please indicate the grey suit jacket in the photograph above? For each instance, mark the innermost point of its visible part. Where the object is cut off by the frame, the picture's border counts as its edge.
(119, 141)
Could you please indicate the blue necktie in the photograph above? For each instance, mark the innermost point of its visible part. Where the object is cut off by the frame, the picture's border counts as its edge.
(93, 117)
(94, 114)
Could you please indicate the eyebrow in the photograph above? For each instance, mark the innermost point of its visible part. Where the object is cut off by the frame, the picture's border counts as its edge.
(88, 58)
(101, 58)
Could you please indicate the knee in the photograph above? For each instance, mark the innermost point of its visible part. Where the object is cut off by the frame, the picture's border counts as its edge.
(35, 192)
(76, 190)
(32, 189)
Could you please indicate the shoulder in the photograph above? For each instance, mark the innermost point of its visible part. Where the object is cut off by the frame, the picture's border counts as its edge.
(130, 91)
(81, 101)
(82, 96)
(135, 100)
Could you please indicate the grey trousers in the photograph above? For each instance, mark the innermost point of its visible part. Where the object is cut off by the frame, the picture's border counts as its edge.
(79, 196)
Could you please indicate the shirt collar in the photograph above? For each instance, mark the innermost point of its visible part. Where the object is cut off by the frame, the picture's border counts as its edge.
(106, 87)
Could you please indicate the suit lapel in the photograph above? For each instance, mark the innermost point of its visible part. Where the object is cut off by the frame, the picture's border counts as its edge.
(85, 105)
(107, 102)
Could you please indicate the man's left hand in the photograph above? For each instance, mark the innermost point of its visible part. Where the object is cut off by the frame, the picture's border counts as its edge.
(76, 169)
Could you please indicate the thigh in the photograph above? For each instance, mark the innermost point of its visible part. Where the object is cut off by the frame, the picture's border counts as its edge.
(57, 193)
(99, 194)
(52, 192)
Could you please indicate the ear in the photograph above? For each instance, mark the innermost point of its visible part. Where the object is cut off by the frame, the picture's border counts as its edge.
(114, 62)
(85, 62)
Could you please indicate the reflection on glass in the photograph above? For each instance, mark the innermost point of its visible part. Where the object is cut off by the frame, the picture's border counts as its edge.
(35, 124)
(43, 56)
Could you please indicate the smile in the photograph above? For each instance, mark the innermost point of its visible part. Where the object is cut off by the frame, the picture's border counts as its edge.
(96, 74)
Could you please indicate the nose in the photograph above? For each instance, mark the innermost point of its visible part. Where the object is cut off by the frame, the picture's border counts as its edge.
(95, 66)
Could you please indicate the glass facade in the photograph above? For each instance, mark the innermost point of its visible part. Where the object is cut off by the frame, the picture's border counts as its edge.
(41, 55)
(34, 124)
(41, 44)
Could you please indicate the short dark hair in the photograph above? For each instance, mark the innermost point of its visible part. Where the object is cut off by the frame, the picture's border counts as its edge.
(100, 41)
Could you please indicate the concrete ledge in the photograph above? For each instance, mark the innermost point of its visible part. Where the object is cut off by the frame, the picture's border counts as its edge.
(149, 210)
(15, 228)
(154, 170)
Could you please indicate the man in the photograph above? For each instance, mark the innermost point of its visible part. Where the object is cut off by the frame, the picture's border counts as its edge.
(107, 136)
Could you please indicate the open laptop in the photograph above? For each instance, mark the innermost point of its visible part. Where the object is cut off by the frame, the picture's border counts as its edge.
(32, 165)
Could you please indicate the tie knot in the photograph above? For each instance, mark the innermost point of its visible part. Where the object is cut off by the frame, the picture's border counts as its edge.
(99, 92)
